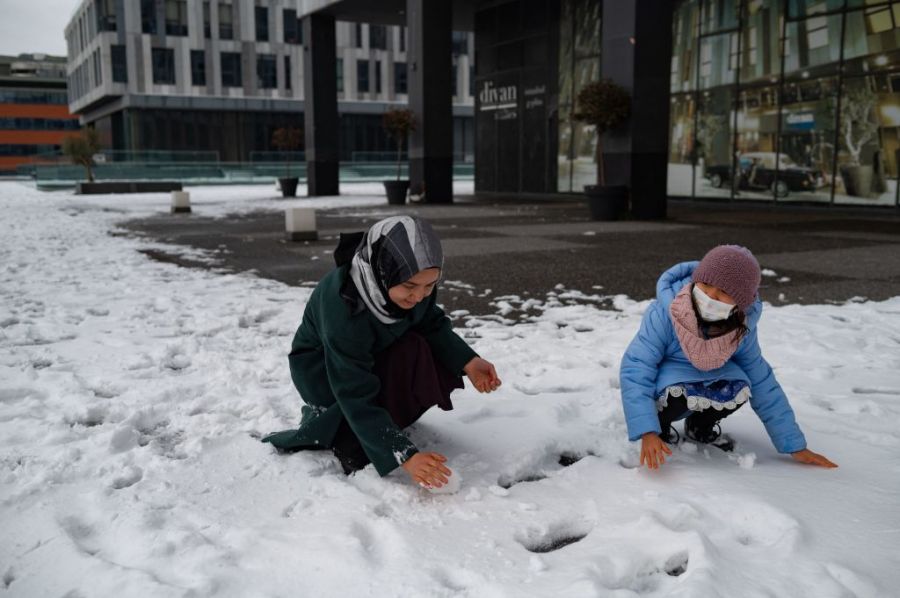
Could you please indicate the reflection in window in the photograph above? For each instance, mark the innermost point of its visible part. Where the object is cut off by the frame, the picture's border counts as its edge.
(231, 69)
(266, 75)
(226, 23)
(261, 16)
(198, 67)
(176, 17)
(817, 32)
(878, 20)
(362, 76)
(148, 16)
(119, 65)
(287, 72)
(163, 66)
(399, 77)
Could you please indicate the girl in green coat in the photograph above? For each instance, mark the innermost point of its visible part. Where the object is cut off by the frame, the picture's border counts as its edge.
(374, 352)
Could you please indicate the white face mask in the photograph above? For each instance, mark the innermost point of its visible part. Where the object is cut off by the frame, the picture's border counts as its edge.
(710, 309)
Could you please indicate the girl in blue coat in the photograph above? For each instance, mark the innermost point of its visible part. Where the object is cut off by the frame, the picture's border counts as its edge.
(696, 357)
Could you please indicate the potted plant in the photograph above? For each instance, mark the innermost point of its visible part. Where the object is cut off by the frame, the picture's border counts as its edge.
(605, 105)
(81, 149)
(398, 122)
(858, 127)
(287, 139)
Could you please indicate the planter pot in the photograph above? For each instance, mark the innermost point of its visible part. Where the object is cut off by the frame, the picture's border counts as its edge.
(396, 192)
(857, 180)
(288, 186)
(606, 203)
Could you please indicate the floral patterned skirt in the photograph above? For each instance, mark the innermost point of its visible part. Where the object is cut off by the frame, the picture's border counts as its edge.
(700, 396)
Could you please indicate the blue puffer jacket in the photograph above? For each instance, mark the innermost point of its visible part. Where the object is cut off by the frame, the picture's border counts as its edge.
(654, 360)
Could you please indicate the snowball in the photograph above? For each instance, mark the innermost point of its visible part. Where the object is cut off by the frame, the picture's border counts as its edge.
(451, 487)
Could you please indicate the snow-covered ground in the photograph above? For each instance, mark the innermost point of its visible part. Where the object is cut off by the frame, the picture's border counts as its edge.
(132, 394)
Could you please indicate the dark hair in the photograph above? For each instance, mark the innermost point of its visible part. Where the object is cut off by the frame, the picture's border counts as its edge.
(736, 321)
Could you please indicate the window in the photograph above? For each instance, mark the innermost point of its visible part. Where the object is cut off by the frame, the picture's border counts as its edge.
(266, 75)
(231, 69)
(454, 75)
(119, 64)
(459, 43)
(817, 32)
(362, 76)
(148, 16)
(400, 77)
(291, 27)
(32, 97)
(176, 17)
(207, 27)
(378, 37)
(261, 14)
(106, 15)
(198, 67)
(287, 72)
(98, 68)
(359, 40)
(377, 76)
(403, 39)
(226, 24)
(878, 20)
(163, 66)
(339, 66)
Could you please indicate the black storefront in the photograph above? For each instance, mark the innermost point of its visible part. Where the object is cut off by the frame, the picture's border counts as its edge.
(532, 59)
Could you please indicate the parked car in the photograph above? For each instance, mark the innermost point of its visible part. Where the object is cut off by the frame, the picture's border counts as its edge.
(757, 171)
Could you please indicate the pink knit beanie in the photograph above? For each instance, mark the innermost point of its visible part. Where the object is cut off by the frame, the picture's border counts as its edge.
(733, 269)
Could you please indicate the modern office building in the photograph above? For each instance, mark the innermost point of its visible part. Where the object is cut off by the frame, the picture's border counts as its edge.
(34, 117)
(222, 75)
(781, 100)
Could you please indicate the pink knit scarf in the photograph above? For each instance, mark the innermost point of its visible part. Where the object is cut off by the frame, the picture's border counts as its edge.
(705, 354)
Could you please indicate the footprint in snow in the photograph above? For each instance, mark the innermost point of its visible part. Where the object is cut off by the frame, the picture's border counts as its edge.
(552, 537)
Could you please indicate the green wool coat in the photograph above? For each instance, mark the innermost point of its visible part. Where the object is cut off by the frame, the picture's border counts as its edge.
(331, 362)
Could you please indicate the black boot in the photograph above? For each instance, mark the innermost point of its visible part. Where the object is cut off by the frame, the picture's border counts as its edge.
(702, 431)
(348, 450)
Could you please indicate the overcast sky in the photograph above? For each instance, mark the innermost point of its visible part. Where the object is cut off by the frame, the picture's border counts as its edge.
(34, 26)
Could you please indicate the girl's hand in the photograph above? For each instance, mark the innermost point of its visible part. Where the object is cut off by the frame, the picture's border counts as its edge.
(653, 450)
(482, 374)
(807, 456)
(427, 469)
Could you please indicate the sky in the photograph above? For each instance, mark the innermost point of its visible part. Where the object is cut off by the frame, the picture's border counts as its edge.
(34, 26)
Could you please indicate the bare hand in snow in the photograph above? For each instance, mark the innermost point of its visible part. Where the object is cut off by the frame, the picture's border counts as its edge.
(482, 375)
(653, 450)
(807, 456)
(427, 469)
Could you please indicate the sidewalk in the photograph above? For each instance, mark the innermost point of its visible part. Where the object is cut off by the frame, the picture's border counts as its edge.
(496, 247)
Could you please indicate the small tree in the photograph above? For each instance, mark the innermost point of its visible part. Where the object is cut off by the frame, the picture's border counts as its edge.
(399, 122)
(287, 139)
(605, 105)
(81, 149)
(858, 124)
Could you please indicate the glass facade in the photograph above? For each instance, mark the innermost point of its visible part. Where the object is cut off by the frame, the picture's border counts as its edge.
(579, 64)
(786, 100)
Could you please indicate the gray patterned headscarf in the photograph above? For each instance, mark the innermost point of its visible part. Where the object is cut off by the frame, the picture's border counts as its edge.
(393, 251)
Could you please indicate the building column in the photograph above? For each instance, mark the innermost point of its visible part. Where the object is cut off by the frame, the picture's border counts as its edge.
(430, 97)
(320, 114)
(637, 54)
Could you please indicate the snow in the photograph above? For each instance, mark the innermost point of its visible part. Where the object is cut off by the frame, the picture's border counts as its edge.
(133, 393)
